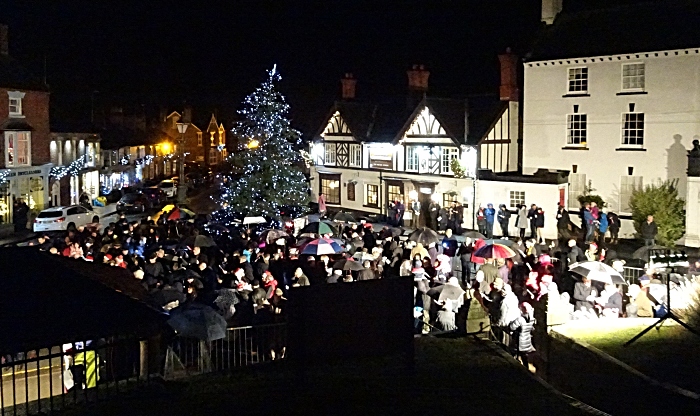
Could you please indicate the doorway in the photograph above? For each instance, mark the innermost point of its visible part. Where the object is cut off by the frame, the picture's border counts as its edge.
(425, 192)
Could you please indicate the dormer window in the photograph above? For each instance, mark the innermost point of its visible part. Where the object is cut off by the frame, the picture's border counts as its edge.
(15, 100)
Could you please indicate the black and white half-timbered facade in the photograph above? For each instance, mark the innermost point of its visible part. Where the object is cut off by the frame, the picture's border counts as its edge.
(367, 154)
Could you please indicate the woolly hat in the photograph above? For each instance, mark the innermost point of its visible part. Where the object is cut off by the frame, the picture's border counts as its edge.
(498, 283)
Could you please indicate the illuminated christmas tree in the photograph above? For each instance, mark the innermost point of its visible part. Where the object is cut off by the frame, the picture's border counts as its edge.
(265, 175)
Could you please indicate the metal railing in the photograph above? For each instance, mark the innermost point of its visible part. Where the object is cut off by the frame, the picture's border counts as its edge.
(240, 347)
(631, 274)
(44, 380)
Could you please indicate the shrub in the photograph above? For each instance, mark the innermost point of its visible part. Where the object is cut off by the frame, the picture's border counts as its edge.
(457, 168)
(582, 199)
(661, 201)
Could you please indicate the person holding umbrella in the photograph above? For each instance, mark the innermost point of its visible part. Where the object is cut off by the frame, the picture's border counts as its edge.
(585, 295)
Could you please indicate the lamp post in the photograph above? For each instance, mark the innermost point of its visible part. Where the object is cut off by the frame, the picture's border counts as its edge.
(181, 185)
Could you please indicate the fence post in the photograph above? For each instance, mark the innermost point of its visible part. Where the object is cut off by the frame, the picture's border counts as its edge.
(143, 359)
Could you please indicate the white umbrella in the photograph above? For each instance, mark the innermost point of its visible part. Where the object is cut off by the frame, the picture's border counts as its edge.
(254, 220)
(598, 271)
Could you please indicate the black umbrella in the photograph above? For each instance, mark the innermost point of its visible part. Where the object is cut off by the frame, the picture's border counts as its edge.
(273, 235)
(348, 264)
(474, 235)
(642, 253)
(198, 321)
(424, 236)
(225, 301)
(319, 228)
(344, 217)
(204, 241)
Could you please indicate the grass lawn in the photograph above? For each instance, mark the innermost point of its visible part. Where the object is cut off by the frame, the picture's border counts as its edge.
(670, 354)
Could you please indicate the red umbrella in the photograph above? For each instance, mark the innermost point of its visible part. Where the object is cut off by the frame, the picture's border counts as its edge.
(494, 251)
(174, 215)
(477, 245)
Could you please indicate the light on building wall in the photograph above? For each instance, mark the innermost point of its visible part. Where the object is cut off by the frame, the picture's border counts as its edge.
(468, 160)
(253, 144)
(412, 194)
(165, 147)
(435, 197)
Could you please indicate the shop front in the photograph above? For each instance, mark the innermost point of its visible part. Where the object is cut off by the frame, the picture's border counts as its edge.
(30, 184)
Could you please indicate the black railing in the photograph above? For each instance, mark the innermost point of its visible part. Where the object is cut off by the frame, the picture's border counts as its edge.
(240, 347)
(44, 380)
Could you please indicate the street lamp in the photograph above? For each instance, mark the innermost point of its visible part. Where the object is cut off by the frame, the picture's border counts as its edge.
(181, 186)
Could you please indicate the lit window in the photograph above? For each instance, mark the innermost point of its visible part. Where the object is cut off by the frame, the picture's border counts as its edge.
(356, 155)
(330, 188)
(395, 193)
(448, 199)
(633, 129)
(576, 129)
(578, 80)
(448, 153)
(17, 148)
(517, 198)
(633, 77)
(372, 196)
(412, 159)
(330, 154)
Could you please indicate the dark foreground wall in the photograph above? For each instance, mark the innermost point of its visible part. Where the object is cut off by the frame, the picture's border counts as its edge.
(333, 322)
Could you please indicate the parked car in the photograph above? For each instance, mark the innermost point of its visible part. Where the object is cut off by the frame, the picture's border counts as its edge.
(134, 203)
(156, 195)
(69, 217)
(169, 186)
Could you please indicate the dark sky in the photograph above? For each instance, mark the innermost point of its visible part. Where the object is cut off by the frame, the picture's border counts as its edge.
(211, 54)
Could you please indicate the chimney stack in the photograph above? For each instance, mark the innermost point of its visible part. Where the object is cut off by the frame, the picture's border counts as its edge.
(348, 84)
(418, 78)
(550, 10)
(187, 114)
(509, 76)
(4, 41)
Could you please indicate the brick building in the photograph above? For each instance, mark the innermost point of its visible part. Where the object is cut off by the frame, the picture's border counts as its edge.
(24, 135)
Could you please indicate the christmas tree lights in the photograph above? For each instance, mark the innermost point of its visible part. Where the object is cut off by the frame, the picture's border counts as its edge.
(265, 173)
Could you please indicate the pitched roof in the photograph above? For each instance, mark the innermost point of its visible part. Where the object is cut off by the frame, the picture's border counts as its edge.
(45, 301)
(212, 124)
(14, 75)
(388, 120)
(641, 27)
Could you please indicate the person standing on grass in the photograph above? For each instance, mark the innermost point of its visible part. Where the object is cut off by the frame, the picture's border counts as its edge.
(649, 230)
(522, 327)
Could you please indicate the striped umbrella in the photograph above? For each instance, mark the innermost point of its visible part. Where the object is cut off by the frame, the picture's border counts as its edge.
(322, 246)
(494, 251)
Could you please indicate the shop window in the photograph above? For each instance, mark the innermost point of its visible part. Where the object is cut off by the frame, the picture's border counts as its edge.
(448, 199)
(394, 192)
(330, 188)
(372, 196)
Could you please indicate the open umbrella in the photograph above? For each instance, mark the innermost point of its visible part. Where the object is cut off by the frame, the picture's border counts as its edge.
(598, 271)
(254, 220)
(642, 253)
(507, 243)
(424, 236)
(494, 251)
(344, 217)
(273, 235)
(198, 321)
(322, 246)
(319, 228)
(474, 235)
(204, 241)
(348, 264)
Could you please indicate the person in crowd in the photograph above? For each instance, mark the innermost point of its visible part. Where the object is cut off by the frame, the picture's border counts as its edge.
(563, 221)
(532, 216)
(400, 210)
(490, 214)
(589, 221)
(585, 295)
(503, 219)
(481, 221)
(415, 213)
(521, 221)
(322, 210)
(522, 327)
(602, 227)
(434, 213)
(649, 230)
(575, 254)
(613, 226)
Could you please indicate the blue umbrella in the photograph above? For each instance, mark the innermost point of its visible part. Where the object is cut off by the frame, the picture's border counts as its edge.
(198, 321)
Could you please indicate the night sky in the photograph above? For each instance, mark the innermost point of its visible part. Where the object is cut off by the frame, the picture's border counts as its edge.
(211, 54)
